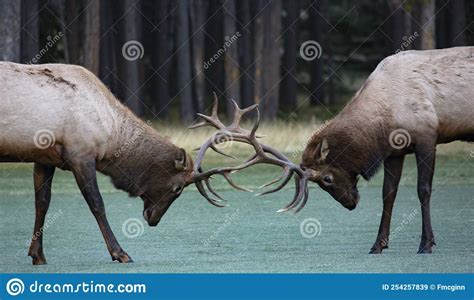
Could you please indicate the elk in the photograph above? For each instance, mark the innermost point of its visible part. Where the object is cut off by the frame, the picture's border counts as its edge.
(413, 101)
(62, 116)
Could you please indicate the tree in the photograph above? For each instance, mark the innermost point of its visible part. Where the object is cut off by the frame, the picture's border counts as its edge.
(30, 32)
(231, 58)
(108, 43)
(316, 66)
(10, 30)
(288, 85)
(132, 53)
(246, 54)
(424, 13)
(162, 58)
(397, 24)
(92, 36)
(267, 52)
(198, 13)
(184, 61)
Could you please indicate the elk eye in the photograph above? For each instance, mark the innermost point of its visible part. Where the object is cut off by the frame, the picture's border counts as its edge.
(328, 179)
(177, 189)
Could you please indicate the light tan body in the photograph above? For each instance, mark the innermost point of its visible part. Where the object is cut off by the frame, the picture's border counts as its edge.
(423, 92)
(67, 101)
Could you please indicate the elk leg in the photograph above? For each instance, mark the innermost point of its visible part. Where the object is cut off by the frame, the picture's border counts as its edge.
(42, 177)
(85, 173)
(425, 159)
(392, 172)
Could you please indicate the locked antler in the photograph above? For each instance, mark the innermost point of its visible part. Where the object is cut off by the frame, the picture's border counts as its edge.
(263, 154)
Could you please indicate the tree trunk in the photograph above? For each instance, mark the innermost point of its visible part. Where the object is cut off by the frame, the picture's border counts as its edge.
(316, 65)
(288, 87)
(162, 59)
(198, 13)
(71, 19)
(245, 52)
(10, 29)
(424, 11)
(458, 23)
(92, 36)
(231, 56)
(258, 33)
(184, 61)
(132, 53)
(108, 42)
(30, 32)
(267, 72)
(397, 25)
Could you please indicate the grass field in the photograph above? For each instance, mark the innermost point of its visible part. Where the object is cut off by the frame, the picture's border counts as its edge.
(247, 236)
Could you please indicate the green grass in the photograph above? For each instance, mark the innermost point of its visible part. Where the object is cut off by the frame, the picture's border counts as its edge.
(248, 236)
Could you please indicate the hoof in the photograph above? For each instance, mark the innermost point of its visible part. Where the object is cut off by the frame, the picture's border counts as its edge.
(38, 260)
(122, 257)
(378, 247)
(426, 246)
(425, 250)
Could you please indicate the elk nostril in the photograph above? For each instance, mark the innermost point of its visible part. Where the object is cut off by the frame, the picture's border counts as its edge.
(146, 215)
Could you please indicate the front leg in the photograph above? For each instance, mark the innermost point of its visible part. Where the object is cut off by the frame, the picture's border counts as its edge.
(85, 173)
(392, 172)
(425, 159)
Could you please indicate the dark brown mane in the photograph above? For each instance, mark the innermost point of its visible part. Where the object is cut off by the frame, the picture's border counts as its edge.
(352, 148)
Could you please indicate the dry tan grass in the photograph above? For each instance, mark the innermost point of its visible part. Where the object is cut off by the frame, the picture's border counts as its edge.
(289, 137)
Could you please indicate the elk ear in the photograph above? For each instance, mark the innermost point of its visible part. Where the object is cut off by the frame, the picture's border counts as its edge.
(180, 161)
(324, 149)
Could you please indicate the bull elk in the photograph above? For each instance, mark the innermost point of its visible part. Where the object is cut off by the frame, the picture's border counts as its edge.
(62, 116)
(413, 101)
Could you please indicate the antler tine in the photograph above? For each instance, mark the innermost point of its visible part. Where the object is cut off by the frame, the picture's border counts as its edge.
(305, 199)
(220, 152)
(233, 184)
(239, 113)
(203, 192)
(208, 185)
(286, 175)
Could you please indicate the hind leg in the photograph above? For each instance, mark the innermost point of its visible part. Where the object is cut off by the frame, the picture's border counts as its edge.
(43, 177)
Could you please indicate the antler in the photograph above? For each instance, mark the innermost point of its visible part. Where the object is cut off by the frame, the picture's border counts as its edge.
(263, 154)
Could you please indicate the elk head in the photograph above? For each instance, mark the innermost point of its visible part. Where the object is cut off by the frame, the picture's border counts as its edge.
(323, 166)
(263, 154)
